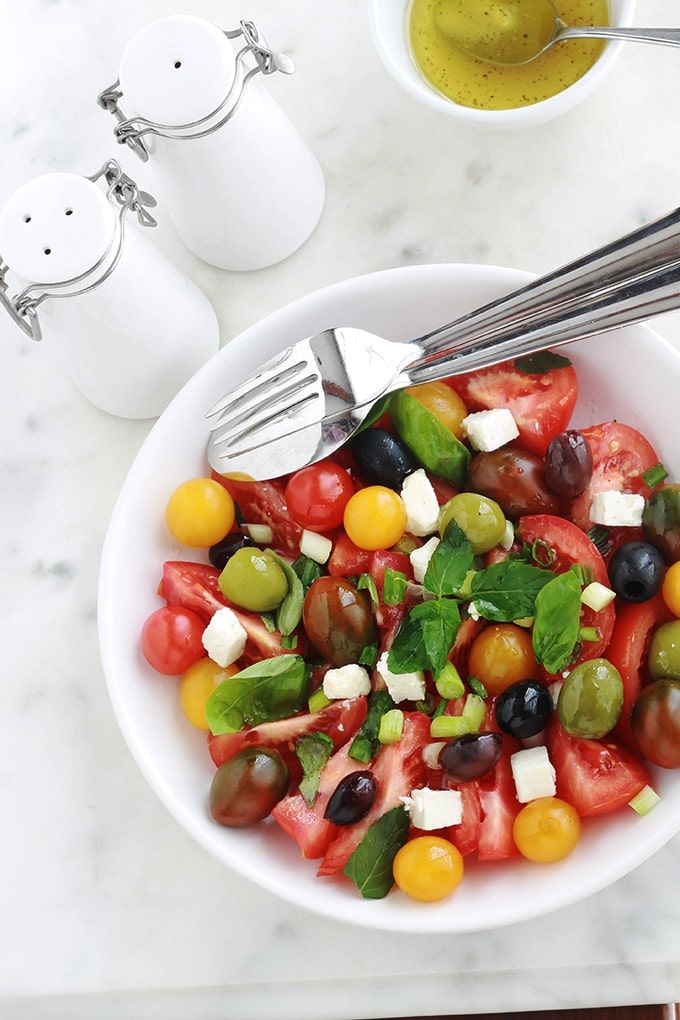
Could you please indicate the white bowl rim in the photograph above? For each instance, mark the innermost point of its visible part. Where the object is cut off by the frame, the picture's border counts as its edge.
(290, 876)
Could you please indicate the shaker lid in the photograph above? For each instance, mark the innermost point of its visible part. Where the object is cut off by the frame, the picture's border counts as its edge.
(55, 228)
(177, 69)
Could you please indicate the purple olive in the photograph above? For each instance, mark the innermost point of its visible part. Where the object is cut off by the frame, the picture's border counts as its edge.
(470, 756)
(352, 798)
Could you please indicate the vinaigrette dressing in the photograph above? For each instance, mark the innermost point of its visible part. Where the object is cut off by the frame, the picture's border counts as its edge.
(473, 82)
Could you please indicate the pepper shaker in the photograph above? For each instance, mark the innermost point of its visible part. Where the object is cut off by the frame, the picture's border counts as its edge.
(242, 188)
(130, 328)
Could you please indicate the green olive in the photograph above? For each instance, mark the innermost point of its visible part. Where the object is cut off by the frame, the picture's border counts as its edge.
(480, 518)
(591, 699)
(254, 580)
(664, 651)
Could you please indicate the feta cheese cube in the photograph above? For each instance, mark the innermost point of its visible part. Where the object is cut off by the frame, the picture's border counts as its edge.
(420, 502)
(617, 509)
(421, 557)
(533, 773)
(489, 430)
(224, 639)
(348, 681)
(401, 686)
(434, 809)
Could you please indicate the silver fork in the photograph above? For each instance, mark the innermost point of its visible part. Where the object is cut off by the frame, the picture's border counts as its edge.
(306, 402)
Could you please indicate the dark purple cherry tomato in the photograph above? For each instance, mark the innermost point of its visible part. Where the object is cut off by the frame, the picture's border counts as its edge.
(338, 619)
(568, 464)
(656, 723)
(515, 478)
(247, 786)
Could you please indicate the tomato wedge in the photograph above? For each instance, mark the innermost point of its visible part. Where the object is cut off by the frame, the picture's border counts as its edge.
(541, 402)
(398, 769)
(571, 545)
(594, 776)
(499, 804)
(339, 721)
(264, 503)
(627, 650)
(621, 455)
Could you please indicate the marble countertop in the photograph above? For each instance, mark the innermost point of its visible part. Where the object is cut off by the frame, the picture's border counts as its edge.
(107, 908)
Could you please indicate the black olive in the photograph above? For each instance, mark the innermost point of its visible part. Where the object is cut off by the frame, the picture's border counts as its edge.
(524, 708)
(352, 798)
(219, 553)
(471, 755)
(636, 570)
(382, 458)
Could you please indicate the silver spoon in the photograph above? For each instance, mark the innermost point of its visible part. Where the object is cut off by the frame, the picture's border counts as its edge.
(519, 31)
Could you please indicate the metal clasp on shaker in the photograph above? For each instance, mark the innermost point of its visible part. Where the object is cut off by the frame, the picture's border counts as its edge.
(123, 193)
(131, 130)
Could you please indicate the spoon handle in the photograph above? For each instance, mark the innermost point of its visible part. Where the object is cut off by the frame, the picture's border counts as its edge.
(665, 36)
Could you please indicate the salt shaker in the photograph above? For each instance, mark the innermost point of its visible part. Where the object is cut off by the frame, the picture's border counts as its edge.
(241, 186)
(130, 328)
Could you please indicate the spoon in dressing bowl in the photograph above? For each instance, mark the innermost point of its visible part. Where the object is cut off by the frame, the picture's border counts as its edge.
(519, 31)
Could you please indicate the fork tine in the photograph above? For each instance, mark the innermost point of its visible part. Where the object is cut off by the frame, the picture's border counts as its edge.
(274, 371)
(263, 403)
(265, 414)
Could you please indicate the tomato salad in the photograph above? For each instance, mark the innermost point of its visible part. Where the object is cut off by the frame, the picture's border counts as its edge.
(460, 637)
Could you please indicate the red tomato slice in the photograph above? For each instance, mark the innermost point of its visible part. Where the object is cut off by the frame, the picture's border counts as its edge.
(571, 545)
(195, 586)
(628, 649)
(465, 836)
(594, 776)
(541, 402)
(621, 455)
(398, 769)
(499, 804)
(307, 825)
(264, 503)
(339, 721)
(347, 559)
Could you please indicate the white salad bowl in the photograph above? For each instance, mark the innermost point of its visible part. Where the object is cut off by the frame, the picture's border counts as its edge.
(389, 30)
(173, 756)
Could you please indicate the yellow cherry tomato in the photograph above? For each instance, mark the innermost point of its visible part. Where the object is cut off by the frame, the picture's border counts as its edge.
(197, 684)
(199, 513)
(546, 830)
(428, 868)
(375, 517)
(443, 402)
(670, 588)
(501, 655)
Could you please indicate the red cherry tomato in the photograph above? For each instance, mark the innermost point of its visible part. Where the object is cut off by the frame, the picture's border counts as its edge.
(171, 639)
(541, 402)
(318, 494)
(621, 455)
(569, 545)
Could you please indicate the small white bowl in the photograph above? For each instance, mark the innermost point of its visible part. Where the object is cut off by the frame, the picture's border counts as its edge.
(389, 28)
(397, 303)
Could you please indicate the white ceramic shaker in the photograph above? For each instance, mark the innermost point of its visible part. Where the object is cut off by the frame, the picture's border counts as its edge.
(129, 327)
(241, 186)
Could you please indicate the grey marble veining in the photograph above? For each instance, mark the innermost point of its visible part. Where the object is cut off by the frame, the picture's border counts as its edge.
(107, 908)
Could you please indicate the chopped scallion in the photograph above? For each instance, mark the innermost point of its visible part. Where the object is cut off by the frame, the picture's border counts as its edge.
(645, 800)
(589, 634)
(449, 682)
(474, 711)
(391, 726)
(450, 726)
(318, 700)
(653, 475)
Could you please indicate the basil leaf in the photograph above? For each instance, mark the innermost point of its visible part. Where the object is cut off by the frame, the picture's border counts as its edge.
(370, 865)
(366, 744)
(556, 626)
(264, 692)
(313, 751)
(541, 362)
(289, 613)
(425, 637)
(449, 563)
(507, 591)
